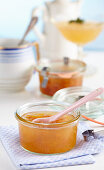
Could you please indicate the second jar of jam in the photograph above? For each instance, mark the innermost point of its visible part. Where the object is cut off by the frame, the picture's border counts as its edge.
(57, 74)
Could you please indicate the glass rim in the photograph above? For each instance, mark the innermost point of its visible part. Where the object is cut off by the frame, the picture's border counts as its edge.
(60, 19)
(72, 90)
(83, 66)
(29, 105)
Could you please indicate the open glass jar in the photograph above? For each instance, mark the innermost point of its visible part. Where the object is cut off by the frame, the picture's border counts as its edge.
(49, 138)
(57, 74)
(92, 109)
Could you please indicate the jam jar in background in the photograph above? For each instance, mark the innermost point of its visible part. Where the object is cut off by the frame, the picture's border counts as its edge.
(60, 73)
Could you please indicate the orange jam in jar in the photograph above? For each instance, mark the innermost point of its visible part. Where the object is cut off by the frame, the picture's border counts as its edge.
(57, 137)
(57, 74)
(56, 83)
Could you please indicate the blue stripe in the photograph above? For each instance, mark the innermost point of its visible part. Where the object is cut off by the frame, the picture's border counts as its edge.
(8, 49)
(20, 52)
(16, 55)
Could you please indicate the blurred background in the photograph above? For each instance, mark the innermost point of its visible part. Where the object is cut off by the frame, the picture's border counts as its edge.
(15, 16)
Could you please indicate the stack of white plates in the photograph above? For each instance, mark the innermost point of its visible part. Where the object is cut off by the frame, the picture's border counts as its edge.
(16, 65)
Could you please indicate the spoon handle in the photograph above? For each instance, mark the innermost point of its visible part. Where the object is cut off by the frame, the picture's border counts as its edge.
(30, 27)
(79, 103)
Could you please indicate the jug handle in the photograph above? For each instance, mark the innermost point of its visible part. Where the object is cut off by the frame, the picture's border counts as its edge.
(36, 45)
(36, 30)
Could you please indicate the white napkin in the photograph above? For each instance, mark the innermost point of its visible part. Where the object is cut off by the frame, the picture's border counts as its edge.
(81, 154)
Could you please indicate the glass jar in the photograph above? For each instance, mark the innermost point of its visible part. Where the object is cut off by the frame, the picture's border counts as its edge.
(92, 109)
(44, 138)
(57, 74)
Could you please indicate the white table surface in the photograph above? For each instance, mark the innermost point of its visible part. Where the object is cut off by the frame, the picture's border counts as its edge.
(9, 102)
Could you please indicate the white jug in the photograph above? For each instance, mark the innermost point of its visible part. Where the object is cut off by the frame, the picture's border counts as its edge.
(52, 43)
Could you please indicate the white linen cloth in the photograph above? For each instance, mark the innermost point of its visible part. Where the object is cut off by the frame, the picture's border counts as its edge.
(81, 154)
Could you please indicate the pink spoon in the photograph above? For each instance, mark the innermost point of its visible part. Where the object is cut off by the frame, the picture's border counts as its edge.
(75, 105)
